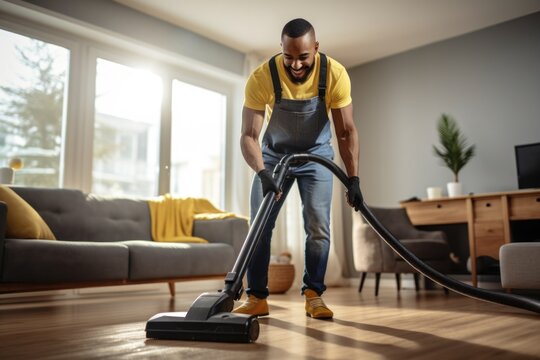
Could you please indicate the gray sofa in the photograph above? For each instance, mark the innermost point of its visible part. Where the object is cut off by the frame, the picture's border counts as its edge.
(107, 241)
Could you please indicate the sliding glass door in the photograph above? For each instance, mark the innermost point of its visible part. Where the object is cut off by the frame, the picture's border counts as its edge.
(197, 142)
(126, 130)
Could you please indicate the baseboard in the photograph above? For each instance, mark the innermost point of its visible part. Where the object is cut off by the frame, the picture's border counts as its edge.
(193, 286)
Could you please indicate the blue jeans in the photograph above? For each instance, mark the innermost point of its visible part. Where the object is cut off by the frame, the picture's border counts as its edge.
(315, 187)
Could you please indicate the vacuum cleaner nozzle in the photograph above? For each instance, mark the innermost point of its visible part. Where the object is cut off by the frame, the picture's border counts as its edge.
(208, 319)
(222, 327)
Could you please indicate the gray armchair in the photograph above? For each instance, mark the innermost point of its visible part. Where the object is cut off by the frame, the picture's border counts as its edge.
(373, 255)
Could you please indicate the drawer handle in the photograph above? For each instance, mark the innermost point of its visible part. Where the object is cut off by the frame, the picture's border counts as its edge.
(488, 204)
(538, 199)
(439, 206)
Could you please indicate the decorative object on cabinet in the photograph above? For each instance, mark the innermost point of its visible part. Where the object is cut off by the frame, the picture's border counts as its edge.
(454, 151)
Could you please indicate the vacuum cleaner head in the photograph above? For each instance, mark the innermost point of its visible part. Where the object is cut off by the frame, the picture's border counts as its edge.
(222, 327)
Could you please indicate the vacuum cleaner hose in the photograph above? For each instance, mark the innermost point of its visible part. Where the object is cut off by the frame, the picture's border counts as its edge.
(441, 279)
(209, 317)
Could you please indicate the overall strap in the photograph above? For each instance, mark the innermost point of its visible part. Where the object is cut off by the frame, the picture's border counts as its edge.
(275, 78)
(277, 84)
(322, 76)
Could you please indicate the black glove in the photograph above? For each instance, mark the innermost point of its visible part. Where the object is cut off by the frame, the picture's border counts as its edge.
(268, 182)
(354, 196)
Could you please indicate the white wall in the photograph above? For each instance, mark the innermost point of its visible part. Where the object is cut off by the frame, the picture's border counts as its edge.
(110, 15)
(488, 80)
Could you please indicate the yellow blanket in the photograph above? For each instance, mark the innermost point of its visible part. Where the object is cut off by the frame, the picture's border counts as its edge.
(172, 218)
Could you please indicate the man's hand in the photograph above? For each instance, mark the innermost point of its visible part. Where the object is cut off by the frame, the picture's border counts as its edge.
(353, 194)
(268, 183)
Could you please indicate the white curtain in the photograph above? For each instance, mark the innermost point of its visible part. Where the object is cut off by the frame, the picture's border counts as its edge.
(241, 175)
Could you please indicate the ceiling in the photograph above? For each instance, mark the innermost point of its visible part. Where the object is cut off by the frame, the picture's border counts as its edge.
(351, 31)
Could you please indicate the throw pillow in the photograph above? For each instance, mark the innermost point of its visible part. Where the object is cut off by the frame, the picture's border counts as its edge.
(23, 222)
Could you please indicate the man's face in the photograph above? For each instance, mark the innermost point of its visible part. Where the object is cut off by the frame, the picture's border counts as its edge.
(299, 56)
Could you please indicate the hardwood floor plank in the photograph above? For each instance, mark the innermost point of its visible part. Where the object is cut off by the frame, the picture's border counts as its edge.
(406, 325)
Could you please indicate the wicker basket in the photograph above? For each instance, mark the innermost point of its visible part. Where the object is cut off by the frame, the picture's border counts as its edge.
(280, 278)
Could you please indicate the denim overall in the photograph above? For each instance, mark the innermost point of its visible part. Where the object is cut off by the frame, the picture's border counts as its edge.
(297, 126)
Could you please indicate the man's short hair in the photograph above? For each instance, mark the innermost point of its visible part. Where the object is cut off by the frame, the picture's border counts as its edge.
(296, 28)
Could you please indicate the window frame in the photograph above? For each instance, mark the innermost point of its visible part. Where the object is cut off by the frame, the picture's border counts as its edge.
(78, 122)
(71, 93)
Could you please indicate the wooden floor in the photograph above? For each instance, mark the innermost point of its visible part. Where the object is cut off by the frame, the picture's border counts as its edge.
(429, 325)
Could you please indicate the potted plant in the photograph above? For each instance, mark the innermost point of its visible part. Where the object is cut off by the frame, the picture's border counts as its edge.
(454, 151)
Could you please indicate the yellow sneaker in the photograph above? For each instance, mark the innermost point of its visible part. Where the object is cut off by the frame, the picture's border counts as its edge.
(315, 306)
(253, 306)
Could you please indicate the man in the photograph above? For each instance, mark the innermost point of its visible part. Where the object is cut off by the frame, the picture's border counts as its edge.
(298, 87)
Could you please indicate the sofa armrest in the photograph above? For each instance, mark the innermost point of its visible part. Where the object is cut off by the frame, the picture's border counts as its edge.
(3, 225)
(232, 231)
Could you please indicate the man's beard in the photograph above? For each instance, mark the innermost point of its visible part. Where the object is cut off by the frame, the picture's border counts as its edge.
(301, 79)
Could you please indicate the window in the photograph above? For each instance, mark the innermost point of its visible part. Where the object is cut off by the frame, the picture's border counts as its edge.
(127, 117)
(33, 84)
(197, 142)
(113, 138)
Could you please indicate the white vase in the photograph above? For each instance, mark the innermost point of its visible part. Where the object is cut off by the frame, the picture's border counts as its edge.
(454, 189)
(434, 192)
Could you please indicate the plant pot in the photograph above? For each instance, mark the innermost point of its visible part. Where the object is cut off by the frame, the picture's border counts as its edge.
(280, 278)
(454, 189)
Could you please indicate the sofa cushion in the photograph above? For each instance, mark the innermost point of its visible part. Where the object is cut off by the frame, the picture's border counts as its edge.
(23, 222)
(75, 216)
(155, 260)
(63, 261)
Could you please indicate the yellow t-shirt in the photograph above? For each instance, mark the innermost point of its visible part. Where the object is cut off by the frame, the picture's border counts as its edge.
(259, 91)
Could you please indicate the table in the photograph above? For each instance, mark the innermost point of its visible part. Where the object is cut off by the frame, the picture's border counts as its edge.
(487, 216)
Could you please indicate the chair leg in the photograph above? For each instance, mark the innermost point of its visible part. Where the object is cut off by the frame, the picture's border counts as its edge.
(446, 292)
(377, 281)
(172, 289)
(362, 279)
(398, 281)
(416, 281)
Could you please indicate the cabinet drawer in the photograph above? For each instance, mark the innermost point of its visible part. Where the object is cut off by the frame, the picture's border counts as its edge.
(489, 236)
(437, 212)
(487, 209)
(524, 207)
(488, 230)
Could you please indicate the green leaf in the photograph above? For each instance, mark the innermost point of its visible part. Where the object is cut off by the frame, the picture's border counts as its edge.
(453, 149)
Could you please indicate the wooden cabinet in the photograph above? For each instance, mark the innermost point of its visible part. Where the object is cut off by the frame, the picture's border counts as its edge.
(487, 217)
(441, 212)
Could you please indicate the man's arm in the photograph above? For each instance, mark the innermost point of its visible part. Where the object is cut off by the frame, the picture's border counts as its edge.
(252, 122)
(347, 138)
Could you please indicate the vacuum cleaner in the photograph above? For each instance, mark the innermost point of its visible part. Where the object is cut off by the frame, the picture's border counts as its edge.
(210, 318)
